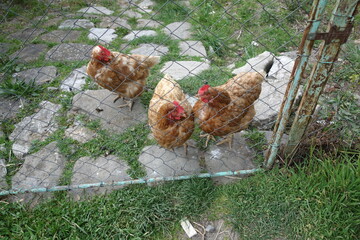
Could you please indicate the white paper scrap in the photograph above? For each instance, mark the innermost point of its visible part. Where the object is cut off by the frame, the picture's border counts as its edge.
(188, 228)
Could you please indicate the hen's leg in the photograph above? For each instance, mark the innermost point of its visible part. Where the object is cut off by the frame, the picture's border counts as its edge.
(118, 97)
(129, 103)
(228, 138)
(208, 137)
(185, 148)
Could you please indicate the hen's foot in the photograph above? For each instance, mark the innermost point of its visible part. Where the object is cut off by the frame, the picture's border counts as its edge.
(208, 137)
(118, 97)
(185, 148)
(228, 139)
(129, 103)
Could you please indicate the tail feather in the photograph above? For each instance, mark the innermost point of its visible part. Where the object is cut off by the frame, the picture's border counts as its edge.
(149, 61)
(264, 72)
(268, 66)
(152, 60)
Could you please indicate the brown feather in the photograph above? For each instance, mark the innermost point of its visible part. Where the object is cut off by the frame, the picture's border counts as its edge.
(231, 108)
(124, 74)
(169, 133)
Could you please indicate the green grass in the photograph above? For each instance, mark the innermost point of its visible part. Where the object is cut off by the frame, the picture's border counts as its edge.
(137, 212)
(318, 200)
(256, 141)
(19, 89)
(169, 11)
(213, 77)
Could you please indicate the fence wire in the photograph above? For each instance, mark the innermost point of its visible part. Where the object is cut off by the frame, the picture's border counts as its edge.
(61, 128)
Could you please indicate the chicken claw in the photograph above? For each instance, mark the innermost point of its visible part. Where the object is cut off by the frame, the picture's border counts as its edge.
(228, 139)
(208, 137)
(129, 103)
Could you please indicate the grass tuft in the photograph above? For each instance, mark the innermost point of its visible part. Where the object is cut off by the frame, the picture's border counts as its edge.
(316, 201)
(136, 212)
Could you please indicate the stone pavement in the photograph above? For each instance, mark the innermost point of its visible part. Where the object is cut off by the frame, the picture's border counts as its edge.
(42, 169)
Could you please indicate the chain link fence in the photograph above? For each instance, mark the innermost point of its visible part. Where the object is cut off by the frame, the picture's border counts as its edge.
(62, 130)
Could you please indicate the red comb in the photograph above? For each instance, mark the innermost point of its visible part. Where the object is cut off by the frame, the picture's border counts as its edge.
(105, 51)
(203, 89)
(176, 103)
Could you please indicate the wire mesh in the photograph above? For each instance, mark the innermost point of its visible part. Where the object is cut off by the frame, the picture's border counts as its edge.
(62, 130)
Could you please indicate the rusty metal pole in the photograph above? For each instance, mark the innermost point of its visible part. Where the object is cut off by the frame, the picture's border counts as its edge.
(338, 31)
(304, 52)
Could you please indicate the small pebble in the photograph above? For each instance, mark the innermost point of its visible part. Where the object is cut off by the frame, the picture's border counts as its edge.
(2, 147)
(52, 88)
(210, 228)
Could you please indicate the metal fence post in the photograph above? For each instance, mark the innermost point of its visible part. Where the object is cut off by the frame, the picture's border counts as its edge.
(338, 31)
(304, 52)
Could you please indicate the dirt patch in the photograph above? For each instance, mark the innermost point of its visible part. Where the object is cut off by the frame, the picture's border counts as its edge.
(210, 230)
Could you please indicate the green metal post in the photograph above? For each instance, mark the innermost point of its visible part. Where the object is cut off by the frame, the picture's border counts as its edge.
(339, 29)
(304, 52)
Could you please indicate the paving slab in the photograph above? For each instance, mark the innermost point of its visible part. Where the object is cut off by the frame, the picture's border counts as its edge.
(37, 126)
(132, 14)
(160, 162)
(3, 172)
(80, 133)
(53, 21)
(114, 22)
(29, 53)
(9, 107)
(75, 81)
(222, 159)
(99, 105)
(27, 34)
(102, 35)
(138, 34)
(59, 36)
(150, 49)
(76, 24)
(182, 69)
(145, 4)
(69, 52)
(4, 48)
(107, 169)
(141, 23)
(273, 90)
(97, 10)
(193, 49)
(192, 100)
(42, 169)
(255, 64)
(178, 30)
(39, 75)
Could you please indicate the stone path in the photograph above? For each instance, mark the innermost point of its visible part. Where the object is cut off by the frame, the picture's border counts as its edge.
(41, 169)
(99, 105)
(45, 167)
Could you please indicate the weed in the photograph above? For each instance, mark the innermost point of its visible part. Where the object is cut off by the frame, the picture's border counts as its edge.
(122, 32)
(19, 89)
(169, 11)
(200, 141)
(136, 212)
(257, 142)
(314, 201)
(213, 77)
(132, 21)
(343, 110)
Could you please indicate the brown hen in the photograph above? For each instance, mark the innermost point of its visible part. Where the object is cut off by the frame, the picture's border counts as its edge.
(123, 74)
(229, 108)
(170, 115)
